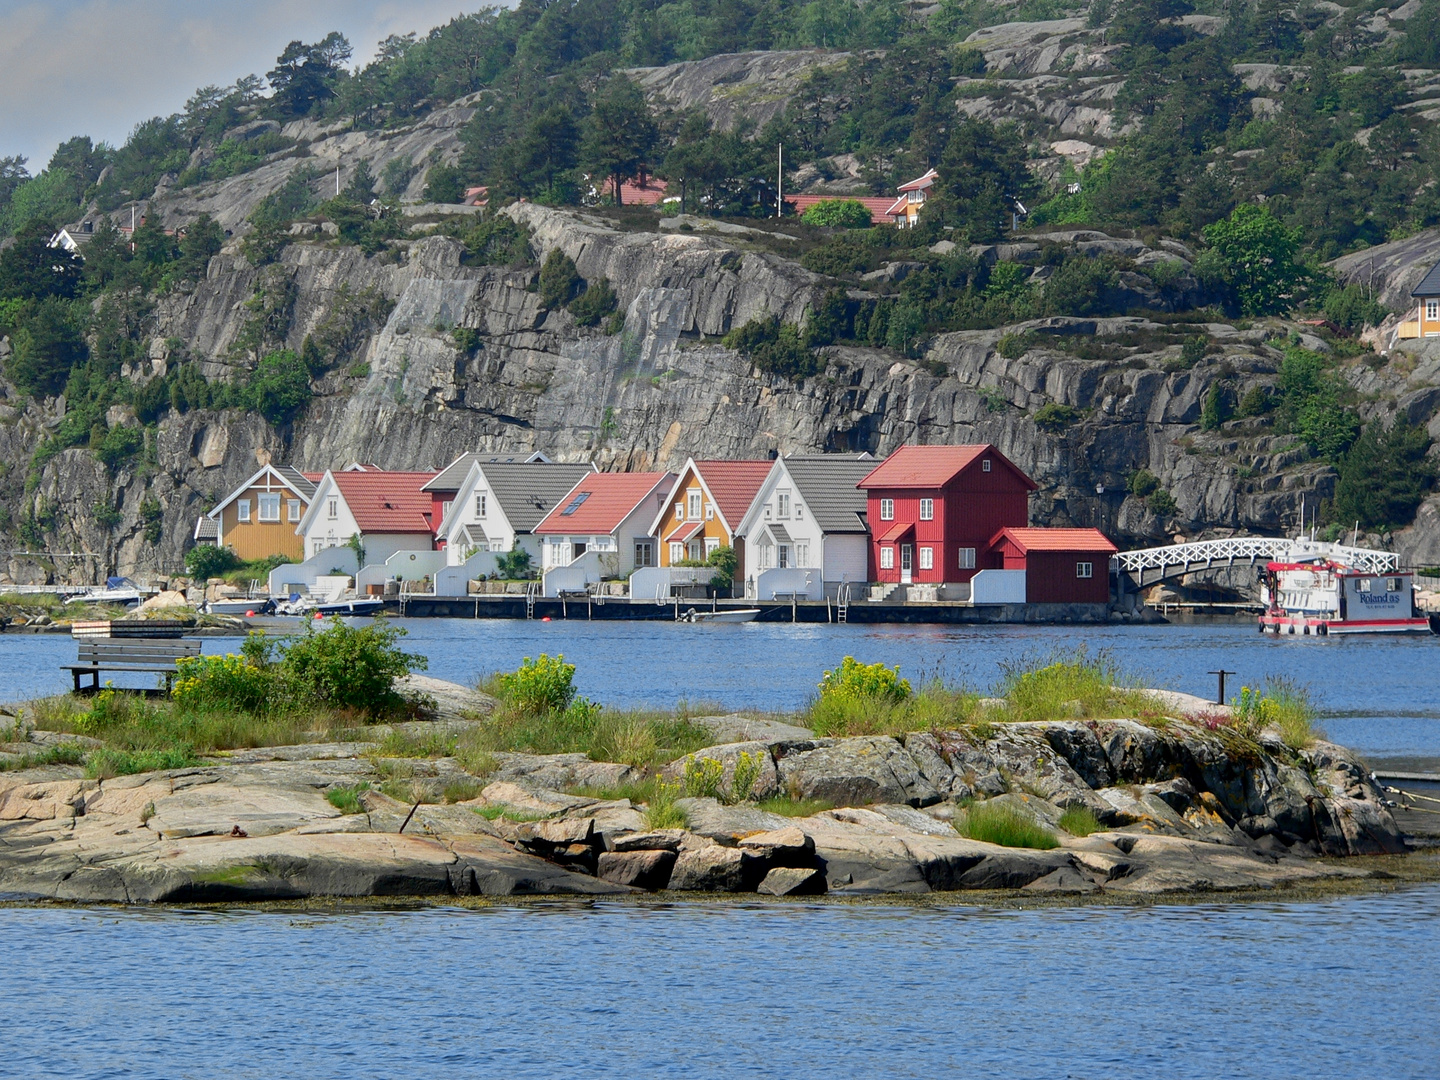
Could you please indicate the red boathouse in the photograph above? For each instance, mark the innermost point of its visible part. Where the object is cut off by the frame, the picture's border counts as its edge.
(1062, 566)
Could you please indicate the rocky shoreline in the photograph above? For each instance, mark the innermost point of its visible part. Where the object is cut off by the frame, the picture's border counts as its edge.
(1181, 808)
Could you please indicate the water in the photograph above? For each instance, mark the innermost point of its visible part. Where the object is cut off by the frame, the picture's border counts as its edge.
(1380, 695)
(735, 990)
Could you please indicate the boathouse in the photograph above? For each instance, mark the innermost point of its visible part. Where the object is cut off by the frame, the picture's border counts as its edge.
(1062, 566)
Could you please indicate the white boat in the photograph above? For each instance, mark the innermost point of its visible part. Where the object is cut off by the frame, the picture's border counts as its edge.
(115, 591)
(233, 607)
(1323, 589)
(741, 615)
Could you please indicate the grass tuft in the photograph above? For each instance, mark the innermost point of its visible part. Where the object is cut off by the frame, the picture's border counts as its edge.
(1079, 821)
(661, 811)
(105, 763)
(347, 799)
(1072, 685)
(1003, 825)
(933, 707)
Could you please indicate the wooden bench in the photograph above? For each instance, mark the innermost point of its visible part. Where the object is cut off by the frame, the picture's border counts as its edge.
(129, 654)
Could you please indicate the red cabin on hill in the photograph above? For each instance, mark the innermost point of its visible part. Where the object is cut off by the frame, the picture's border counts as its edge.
(1062, 566)
(933, 511)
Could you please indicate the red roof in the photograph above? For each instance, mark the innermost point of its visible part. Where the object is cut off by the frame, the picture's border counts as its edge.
(387, 502)
(879, 214)
(476, 196)
(896, 531)
(313, 477)
(898, 207)
(1028, 540)
(933, 466)
(684, 531)
(733, 485)
(639, 192)
(600, 502)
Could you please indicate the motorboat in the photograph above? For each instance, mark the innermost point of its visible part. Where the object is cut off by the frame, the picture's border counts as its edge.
(117, 590)
(1318, 588)
(739, 615)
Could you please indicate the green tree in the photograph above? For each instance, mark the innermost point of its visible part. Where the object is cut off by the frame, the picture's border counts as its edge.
(305, 75)
(982, 170)
(206, 561)
(560, 281)
(202, 241)
(444, 184)
(1384, 477)
(1310, 404)
(31, 269)
(620, 133)
(1258, 259)
(542, 158)
(838, 213)
(279, 387)
(46, 348)
(361, 188)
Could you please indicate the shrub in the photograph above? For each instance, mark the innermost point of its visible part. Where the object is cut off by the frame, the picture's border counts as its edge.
(854, 680)
(1257, 401)
(703, 777)
(1053, 416)
(1012, 346)
(1142, 483)
(346, 799)
(1384, 476)
(1283, 706)
(221, 682)
(838, 213)
(1163, 504)
(1216, 409)
(775, 348)
(592, 305)
(279, 387)
(513, 565)
(742, 781)
(538, 686)
(725, 562)
(1071, 685)
(1192, 350)
(560, 281)
(1079, 287)
(1079, 821)
(1003, 825)
(497, 241)
(1310, 405)
(119, 445)
(1354, 307)
(207, 561)
(661, 811)
(350, 667)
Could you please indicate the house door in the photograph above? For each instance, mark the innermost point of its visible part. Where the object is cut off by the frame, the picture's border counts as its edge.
(907, 563)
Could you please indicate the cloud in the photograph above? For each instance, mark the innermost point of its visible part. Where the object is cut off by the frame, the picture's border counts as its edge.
(99, 67)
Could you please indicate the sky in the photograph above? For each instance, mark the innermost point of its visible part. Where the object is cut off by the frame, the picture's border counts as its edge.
(99, 67)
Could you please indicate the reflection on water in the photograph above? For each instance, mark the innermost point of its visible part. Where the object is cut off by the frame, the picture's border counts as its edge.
(1382, 693)
(733, 990)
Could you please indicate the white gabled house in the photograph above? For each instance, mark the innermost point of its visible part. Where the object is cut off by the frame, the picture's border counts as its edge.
(498, 504)
(388, 511)
(806, 529)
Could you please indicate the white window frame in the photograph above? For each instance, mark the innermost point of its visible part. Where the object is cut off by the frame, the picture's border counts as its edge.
(1392, 584)
(333, 509)
(319, 546)
(292, 510)
(482, 503)
(709, 513)
(268, 500)
(1432, 310)
(927, 558)
(927, 509)
(887, 509)
(677, 551)
(1084, 570)
(712, 543)
(693, 504)
(644, 553)
(782, 505)
(799, 512)
(679, 511)
(887, 557)
(782, 556)
(967, 558)
(242, 510)
(802, 554)
(985, 465)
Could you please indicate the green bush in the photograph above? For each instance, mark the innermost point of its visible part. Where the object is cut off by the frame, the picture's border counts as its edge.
(222, 682)
(206, 561)
(1004, 825)
(1354, 307)
(119, 445)
(497, 241)
(1163, 504)
(1142, 483)
(838, 213)
(1258, 400)
(1193, 350)
(1079, 287)
(1012, 346)
(538, 686)
(661, 811)
(592, 305)
(1072, 685)
(775, 348)
(1310, 403)
(725, 562)
(1384, 476)
(703, 777)
(350, 667)
(560, 281)
(1217, 408)
(513, 565)
(854, 680)
(279, 387)
(105, 763)
(1053, 416)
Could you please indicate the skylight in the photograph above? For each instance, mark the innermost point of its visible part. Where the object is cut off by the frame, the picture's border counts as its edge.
(575, 504)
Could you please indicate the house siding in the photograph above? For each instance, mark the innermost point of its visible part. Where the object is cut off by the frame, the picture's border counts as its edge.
(258, 539)
(1050, 575)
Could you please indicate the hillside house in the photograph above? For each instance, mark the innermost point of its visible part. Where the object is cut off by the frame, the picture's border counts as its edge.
(1062, 566)
(809, 514)
(499, 503)
(607, 517)
(1427, 308)
(705, 509)
(259, 518)
(905, 210)
(879, 205)
(388, 511)
(933, 511)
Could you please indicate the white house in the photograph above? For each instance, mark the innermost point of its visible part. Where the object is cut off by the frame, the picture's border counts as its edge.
(498, 504)
(389, 511)
(809, 515)
(601, 529)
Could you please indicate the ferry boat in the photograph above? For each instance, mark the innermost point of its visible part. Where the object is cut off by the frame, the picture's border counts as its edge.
(1321, 588)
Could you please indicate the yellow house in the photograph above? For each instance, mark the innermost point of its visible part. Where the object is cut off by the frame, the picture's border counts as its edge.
(705, 509)
(259, 518)
(1427, 308)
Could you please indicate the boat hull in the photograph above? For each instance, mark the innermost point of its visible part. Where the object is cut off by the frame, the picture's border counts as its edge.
(1300, 626)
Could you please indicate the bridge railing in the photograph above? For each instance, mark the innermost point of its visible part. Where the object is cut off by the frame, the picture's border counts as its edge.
(1174, 560)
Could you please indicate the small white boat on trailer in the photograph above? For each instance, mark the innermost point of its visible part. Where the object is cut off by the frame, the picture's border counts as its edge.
(1322, 589)
(740, 615)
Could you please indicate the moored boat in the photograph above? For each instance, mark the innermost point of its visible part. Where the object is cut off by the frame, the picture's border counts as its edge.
(1323, 589)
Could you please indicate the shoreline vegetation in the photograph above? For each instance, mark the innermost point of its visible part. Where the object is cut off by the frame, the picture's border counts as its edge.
(1092, 782)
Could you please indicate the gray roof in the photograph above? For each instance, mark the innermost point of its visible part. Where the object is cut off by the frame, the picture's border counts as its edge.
(827, 484)
(297, 480)
(780, 533)
(206, 530)
(1429, 284)
(527, 491)
(452, 477)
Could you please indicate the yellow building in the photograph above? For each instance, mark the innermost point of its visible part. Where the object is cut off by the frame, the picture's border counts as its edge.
(1427, 308)
(259, 518)
(705, 508)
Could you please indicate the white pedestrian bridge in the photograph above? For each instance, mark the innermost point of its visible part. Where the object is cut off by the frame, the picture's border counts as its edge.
(1147, 566)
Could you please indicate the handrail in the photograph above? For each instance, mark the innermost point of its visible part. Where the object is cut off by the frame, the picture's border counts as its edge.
(1252, 549)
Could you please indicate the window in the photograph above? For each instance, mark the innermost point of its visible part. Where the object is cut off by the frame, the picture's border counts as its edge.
(1432, 310)
(887, 558)
(1084, 570)
(677, 550)
(319, 546)
(784, 556)
(967, 558)
(887, 509)
(782, 505)
(802, 554)
(799, 512)
(679, 512)
(333, 511)
(927, 558)
(711, 544)
(1363, 585)
(709, 513)
(644, 553)
(482, 502)
(269, 507)
(692, 505)
(927, 509)
(1392, 584)
(242, 510)
(445, 510)
(575, 504)
(985, 465)
(292, 508)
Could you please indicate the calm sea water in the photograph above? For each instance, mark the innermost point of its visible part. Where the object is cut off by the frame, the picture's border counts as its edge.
(1343, 987)
(1381, 695)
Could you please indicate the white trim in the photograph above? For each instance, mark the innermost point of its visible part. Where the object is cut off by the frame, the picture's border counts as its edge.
(215, 513)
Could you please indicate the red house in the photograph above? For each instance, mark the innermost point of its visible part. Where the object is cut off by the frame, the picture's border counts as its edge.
(1062, 566)
(933, 511)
